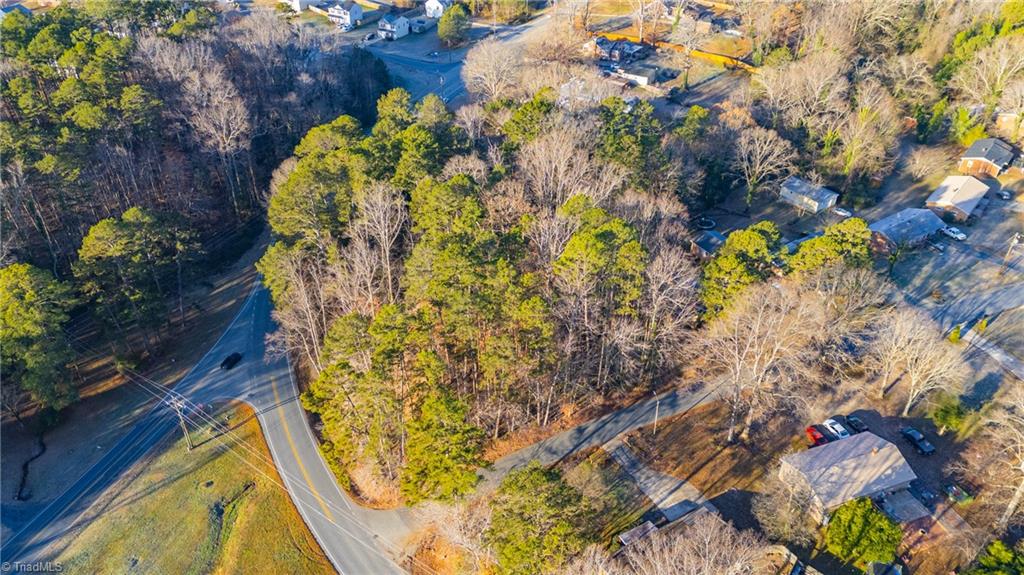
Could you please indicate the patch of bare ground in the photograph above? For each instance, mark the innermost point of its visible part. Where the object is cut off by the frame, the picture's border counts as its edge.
(692, 447)
(109, 405)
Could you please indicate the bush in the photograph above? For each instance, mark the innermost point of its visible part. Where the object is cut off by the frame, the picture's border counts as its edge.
(948, 413)
(954, 336)
(859, 534)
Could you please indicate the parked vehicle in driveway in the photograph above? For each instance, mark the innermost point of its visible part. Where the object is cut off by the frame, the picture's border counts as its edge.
(954, 233)
(923, 494)
(231, 361)
(836, 428)
(841, 212)
(815, 436)
(1005, 195)
(957, 494)
(916, 438)
(856, 424)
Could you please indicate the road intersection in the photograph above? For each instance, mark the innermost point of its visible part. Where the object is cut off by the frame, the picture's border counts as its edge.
(356, 540)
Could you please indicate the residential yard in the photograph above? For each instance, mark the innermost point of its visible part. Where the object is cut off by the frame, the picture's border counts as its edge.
(198, 512)
(692, 446)
(617, 501)
(110, 405)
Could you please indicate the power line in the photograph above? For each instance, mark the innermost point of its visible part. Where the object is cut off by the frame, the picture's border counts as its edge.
(174, 399)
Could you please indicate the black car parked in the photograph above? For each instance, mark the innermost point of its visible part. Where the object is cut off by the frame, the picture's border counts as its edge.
(856, 424)
(916, 438)
(231, 361)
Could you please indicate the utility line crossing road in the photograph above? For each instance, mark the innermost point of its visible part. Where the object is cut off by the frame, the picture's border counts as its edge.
(266, 383)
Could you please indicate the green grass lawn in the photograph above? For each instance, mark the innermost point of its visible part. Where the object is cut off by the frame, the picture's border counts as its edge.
(199, 512)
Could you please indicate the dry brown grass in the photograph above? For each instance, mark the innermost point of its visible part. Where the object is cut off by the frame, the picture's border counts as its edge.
(373, 489)
(692, 446)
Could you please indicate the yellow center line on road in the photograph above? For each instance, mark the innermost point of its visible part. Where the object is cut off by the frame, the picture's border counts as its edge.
(295, 452)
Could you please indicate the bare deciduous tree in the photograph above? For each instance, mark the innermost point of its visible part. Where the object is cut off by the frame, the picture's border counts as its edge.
(462, 524)
(869, 131)
(382, 213)
(783, 510)
(925, 160)
(804, 92)
(491, 69)
(762, 156)
(763, 348)
(983, 80)
(910, 344)
(995, 460)
(1012, 104)
(708, 545)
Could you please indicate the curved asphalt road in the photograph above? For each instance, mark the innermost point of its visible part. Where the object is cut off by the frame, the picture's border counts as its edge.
(266, 383)
(358, 541)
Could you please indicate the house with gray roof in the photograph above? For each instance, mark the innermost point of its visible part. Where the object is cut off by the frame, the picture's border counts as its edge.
(863, 465)
(706, 244)
(908, 227)
(806, 196)
(986, 157)
(957, 196)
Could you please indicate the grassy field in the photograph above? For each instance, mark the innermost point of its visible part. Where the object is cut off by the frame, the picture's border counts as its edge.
(199, 512)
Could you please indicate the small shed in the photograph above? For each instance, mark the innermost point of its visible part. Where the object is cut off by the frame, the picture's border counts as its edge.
(986, 157)
(863, 465)
(957, 196)
(908, 227)
(804, 195)
(706, 244)
(640, 75)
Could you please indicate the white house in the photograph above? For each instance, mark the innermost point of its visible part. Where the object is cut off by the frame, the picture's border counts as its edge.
(392, 27)
(345, 14)
(298, 5)
(802, 194)
(435, 8)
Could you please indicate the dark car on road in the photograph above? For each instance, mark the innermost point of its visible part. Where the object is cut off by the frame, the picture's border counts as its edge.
(815, 435)
(856, 424)
(231, 361)
(916, 438)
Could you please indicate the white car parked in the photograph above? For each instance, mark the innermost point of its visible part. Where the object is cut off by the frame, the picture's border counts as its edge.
(837, 429)
(954, 233)
(841, 212)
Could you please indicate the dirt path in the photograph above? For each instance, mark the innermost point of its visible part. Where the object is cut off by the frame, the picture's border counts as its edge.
(109, 405)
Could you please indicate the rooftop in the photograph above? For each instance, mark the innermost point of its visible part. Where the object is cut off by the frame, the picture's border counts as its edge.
(709, 241)
(990, 149)
(802, 187)
(857, 466)
(908, 225)
(962, 192)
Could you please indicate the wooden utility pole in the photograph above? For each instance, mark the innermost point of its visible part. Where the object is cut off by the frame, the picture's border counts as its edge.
(179, 408)
(1016, 239)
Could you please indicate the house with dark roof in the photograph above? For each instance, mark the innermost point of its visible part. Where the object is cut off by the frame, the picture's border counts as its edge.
(986, 157)
(957, 196)
(706, 244)
(806, 196)
(863, 465)
(6, 9)
(908, 227)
